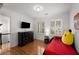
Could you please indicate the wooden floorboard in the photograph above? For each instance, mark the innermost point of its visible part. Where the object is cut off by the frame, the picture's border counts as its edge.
(36, 47)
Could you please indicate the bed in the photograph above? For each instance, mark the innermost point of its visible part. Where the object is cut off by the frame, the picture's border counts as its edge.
(56, 47)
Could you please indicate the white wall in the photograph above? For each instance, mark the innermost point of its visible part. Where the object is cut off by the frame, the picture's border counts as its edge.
(15, 20)
(64, 17)
(74, 10)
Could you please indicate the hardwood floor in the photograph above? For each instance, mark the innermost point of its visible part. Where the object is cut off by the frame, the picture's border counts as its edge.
(35, 48)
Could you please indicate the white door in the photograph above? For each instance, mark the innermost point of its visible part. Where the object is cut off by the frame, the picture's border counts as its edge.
(5, 28)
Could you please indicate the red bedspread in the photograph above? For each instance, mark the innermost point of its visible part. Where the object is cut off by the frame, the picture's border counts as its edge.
(56, 47)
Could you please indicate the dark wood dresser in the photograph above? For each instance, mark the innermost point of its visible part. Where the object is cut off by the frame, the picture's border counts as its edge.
(25, 38)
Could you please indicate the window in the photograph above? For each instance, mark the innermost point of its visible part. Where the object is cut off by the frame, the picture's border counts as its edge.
(52, 27)
(41, 27)
(56, 27)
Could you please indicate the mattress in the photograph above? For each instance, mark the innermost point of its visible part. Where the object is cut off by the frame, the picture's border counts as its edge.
(56, 47)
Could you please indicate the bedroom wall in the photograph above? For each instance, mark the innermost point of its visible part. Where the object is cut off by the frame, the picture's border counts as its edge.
(15, 20)
(64, 17)
(74, 10)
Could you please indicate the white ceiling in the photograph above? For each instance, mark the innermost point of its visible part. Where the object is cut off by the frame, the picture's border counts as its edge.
(49, 8)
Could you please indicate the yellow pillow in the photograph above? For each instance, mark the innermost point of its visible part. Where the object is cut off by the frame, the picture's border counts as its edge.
(67, 38)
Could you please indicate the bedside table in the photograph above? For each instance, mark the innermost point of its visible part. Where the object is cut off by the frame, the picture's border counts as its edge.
(46, 39)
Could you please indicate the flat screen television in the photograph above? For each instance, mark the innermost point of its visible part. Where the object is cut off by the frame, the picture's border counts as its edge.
(25, 25)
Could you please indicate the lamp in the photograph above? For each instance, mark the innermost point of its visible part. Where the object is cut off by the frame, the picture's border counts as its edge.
(47, 32)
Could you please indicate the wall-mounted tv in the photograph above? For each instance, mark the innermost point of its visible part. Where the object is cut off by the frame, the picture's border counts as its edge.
(25, 25)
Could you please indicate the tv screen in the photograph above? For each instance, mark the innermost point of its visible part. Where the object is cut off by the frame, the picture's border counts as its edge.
(25, 25)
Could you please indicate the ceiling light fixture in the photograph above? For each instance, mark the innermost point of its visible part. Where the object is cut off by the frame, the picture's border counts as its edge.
(38, 8)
